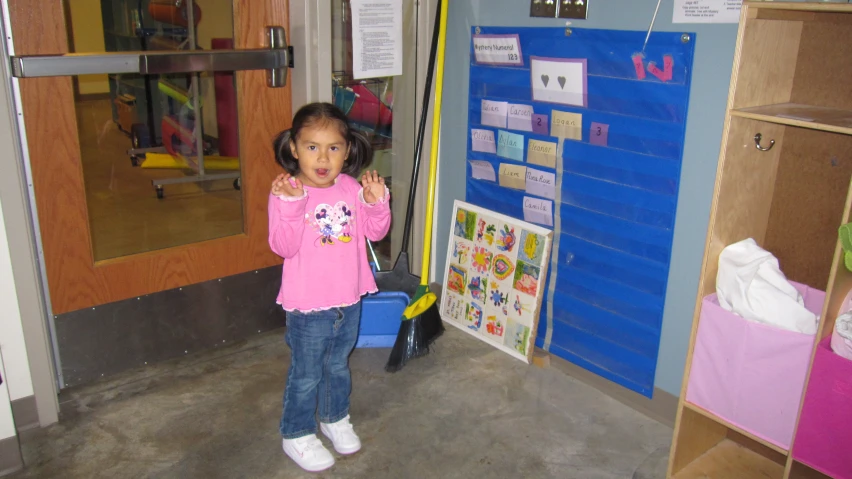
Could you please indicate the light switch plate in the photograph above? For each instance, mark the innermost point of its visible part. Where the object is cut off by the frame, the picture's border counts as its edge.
(575, 9)
(543, 8)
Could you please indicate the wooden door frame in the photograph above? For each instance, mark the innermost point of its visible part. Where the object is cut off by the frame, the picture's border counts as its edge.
(75, 280)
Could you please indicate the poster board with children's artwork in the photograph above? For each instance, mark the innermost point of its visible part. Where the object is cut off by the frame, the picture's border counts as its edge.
(494, 278)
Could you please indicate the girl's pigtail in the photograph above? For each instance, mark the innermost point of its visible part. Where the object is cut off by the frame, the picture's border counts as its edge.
(360, 153)
(283, 154)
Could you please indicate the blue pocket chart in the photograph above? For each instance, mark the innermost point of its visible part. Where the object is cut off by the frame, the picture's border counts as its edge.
(617, 119)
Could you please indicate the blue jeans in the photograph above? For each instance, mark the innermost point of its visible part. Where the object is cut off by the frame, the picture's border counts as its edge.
(320, 344)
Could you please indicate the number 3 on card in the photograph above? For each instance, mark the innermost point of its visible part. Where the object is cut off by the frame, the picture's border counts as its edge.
(599, 134)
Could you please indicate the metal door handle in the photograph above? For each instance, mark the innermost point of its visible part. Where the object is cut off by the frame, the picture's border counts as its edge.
(275, 59)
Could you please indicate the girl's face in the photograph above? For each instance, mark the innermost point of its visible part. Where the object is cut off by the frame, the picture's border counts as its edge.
(321, 151)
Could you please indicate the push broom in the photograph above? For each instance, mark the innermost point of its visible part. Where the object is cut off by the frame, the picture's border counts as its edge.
(400, 278)
(421, 321)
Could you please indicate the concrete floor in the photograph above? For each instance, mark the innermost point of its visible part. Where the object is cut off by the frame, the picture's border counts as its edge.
(465, 411)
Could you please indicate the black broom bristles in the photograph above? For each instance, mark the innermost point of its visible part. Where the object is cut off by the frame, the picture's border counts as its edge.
(415, 337)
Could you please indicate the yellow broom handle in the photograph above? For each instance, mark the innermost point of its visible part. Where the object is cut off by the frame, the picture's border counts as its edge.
(433, 152)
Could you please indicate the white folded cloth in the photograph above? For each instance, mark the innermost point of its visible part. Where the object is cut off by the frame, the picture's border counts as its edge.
(750, 283)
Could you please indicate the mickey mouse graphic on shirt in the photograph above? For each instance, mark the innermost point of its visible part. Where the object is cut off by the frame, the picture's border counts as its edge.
(333, 222)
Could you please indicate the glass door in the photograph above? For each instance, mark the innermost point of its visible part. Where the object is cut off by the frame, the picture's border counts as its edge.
(385, 109)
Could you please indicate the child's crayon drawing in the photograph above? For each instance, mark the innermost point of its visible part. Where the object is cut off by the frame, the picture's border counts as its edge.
(494, 326)
(526, 278)
(485, 232)
(474, 316)
(517, 337)
(456, 279)
(477, 287)
(506, 239)
(461, 252)
(519, 306)
(532, 248)
(503, 267)
(498, 298)
(481, 259)
(465, 224)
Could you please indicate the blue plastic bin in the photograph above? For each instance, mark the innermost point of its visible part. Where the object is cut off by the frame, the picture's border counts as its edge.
(381, 314)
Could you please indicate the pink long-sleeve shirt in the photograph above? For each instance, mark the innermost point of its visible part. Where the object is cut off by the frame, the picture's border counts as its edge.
(321, 238)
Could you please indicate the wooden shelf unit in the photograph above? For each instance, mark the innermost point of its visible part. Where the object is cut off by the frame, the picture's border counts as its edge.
(790, 83)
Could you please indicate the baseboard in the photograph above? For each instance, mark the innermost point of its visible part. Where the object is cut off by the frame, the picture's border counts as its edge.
(662, 407)
(25, 412)
(10, 456)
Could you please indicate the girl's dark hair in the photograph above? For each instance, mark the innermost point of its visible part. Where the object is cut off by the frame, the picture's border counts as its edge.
(360, 150)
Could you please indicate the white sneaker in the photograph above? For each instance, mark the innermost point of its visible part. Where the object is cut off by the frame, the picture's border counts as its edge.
(342, 436)
(309, 453)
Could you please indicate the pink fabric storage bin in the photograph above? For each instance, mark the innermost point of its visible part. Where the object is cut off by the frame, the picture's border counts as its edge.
(751, 374)
(824, 436)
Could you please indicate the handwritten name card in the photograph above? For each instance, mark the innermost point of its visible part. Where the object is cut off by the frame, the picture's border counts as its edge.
(482, 170)
(513, 176)
(541, 183)
(520, 117)
(538, 211)
(494, 113)
(483, 141)
(567, 125)
(510, 145)
(542, 153)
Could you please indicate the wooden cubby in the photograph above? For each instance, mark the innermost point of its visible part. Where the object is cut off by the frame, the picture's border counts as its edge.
(790, 84)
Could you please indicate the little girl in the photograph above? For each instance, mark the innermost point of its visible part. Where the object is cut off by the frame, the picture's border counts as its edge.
(318, 218)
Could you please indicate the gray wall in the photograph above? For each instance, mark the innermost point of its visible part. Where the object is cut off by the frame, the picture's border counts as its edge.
(710, 79)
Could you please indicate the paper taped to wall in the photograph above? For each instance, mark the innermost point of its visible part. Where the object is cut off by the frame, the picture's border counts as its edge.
(706, 11)
(376, 38)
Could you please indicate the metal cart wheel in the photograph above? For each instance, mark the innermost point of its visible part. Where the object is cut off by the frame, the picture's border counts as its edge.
(237, 184)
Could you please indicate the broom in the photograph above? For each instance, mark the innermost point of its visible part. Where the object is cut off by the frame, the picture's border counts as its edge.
(421, 320)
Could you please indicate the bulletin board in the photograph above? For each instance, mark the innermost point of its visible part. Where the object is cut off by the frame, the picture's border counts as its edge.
(574, 130)
(494, 278)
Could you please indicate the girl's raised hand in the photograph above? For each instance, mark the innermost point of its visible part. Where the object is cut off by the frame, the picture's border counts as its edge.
(374, 186)
(287, 185)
